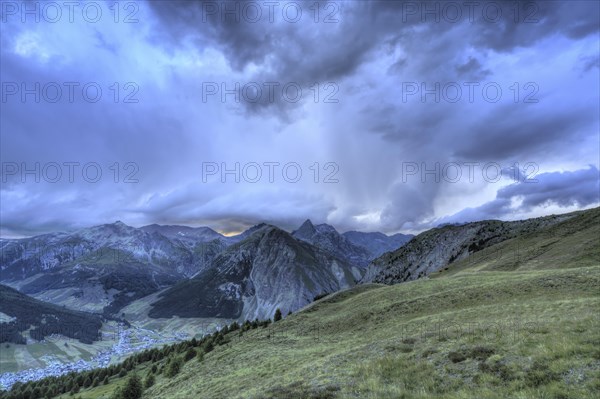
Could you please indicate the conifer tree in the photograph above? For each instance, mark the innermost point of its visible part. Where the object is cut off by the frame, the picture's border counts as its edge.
(277, 316)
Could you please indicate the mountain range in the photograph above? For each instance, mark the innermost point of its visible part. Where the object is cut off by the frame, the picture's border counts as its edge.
(483, 309)
(199, 273)
(251, 279)
(104, 268)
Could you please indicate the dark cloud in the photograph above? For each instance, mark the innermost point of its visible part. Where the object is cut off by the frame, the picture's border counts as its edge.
(372, 50)
(565, 189)
(518, 130)
(472, 70)
(579, 188)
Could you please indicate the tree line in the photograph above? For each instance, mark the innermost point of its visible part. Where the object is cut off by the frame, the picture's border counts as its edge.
(166, 361)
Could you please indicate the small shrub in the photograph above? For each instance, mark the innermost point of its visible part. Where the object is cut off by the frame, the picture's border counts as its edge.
(428, 352)
(540, 374)
(496, 365)
(456, 357)
(481, 352)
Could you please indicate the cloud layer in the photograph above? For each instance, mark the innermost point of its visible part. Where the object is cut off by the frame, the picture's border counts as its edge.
(390, 116)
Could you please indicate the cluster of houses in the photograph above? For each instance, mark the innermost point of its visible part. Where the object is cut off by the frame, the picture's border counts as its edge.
(129, 341)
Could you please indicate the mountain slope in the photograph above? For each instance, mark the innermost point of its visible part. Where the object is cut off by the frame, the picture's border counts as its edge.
(488, 327)
(328, 239)
(428, 339)
(268, 270)
(518, 321)
(103, 268)
(502, 323)
(570, 242)
(35, 319)
(377, 243)
(188, 235)
(437, 248)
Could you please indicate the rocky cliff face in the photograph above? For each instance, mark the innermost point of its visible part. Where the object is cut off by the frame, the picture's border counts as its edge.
(437, 248)
(377, 243)
(270, 269)
(327, 238)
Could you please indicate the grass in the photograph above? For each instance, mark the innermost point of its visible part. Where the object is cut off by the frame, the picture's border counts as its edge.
(531, 334)
(497, 327)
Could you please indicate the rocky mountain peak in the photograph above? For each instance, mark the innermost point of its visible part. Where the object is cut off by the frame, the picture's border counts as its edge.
(306, 230)
(326, 228)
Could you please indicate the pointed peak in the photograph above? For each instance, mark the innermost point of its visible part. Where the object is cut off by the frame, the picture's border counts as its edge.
(117, 224)
(306, 230)
(254, 228)
(307, 223)
(120, 225)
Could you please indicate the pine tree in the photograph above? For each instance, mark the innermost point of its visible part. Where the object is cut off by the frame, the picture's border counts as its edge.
(190, 354)
(52, 391)
(80, 380)
(133, 389)
(173, 367)
(277, 316)
(87, 382)
(208, 346)
(149, 381)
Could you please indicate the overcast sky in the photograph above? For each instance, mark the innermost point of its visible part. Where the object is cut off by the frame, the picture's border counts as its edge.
(375, 116)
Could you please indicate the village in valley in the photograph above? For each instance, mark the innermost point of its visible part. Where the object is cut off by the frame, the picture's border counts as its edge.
(127, 340)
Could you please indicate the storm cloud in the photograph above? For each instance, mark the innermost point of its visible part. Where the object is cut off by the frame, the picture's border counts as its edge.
(409, 114)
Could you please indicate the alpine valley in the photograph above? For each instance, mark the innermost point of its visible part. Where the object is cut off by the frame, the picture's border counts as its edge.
(112, 301)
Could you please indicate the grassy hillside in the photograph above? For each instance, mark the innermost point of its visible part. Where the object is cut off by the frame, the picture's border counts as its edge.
(520, 320)
(530, 334)
(437, 248)
(572, 243)
(527, 334)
